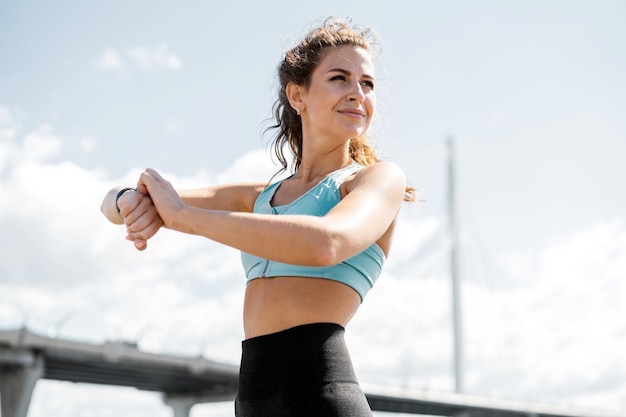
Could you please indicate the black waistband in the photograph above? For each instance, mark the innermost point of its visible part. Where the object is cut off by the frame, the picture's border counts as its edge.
(298, 347)
(303, 330)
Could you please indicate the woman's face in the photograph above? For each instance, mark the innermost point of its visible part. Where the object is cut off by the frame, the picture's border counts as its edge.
(340, 99)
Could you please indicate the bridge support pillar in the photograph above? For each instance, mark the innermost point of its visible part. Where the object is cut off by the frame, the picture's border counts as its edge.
(17, 382)
(180, 404)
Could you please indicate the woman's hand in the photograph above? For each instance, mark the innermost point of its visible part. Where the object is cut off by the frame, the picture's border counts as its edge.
(140, 216)
(164, 197)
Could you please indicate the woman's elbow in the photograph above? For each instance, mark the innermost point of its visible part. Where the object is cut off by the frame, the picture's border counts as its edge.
(327, 253)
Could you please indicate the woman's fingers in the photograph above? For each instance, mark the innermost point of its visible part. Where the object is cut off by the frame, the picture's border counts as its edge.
(142, 189)
(141, 244)
(146, 232)
(142, 210)
(127, 202)
(144, 219)
(154, 174)
(140, 215)
(163, 195)
(149, 179)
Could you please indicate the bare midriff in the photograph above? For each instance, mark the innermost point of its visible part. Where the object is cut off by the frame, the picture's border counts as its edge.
(279, 303)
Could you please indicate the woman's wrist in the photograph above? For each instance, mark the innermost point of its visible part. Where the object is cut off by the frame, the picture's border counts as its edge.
(120, 193)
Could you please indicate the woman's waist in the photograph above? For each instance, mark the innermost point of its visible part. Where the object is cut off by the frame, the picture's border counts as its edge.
(294, 363)
(275, 304)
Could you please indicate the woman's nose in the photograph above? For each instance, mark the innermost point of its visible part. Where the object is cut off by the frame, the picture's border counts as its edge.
(356, 93)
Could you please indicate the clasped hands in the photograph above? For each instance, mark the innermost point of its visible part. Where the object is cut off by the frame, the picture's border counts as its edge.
(142, 215)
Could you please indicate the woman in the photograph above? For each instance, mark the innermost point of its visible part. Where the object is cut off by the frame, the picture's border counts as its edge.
(312, 245)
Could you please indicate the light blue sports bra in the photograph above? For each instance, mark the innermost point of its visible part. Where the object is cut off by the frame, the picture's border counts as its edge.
(359, 272)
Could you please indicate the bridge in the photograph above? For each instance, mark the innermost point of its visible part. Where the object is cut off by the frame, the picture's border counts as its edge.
(26, 357)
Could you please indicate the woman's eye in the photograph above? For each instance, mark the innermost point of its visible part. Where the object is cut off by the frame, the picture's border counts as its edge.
(339, 77)
(369, 84)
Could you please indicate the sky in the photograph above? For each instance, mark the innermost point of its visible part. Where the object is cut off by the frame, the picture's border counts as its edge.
(532, 93)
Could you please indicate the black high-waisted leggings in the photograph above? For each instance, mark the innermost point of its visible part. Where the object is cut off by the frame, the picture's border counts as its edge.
(299, 372)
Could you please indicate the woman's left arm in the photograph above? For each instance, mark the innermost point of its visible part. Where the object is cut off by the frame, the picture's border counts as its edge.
(372, 202)
(370, 207)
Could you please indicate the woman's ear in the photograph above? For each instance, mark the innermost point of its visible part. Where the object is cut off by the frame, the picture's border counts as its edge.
(294, 95)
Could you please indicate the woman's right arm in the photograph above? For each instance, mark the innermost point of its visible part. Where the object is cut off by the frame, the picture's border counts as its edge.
(229, 197)
(232, 197)
(137, 211)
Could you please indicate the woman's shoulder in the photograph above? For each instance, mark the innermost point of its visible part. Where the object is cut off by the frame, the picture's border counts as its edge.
(380, 174)
(382, 170)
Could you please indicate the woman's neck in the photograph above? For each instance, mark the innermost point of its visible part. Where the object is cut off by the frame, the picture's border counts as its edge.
(317, 162)
(315, 169)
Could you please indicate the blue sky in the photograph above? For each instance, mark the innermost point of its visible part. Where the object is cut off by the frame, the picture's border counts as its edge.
(533, 92)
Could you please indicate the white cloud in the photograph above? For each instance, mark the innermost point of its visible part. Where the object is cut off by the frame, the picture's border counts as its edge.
(249, 167)
(143, 58)
(110, 59)
(41, 145)
(558, 334)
